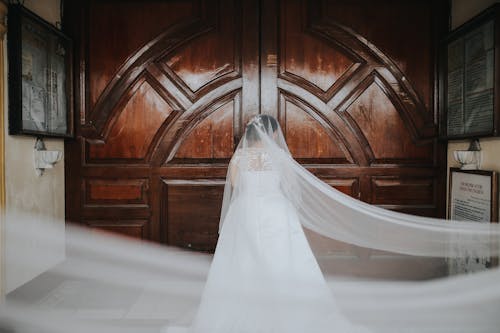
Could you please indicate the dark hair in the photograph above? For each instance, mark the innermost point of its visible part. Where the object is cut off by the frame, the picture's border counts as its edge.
(251, 133)
(268, 122)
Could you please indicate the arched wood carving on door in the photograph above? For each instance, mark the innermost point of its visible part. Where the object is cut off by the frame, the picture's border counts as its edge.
(163, 101)
(355, 105)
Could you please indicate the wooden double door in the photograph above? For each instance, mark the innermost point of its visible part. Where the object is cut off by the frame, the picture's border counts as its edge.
(164, 90)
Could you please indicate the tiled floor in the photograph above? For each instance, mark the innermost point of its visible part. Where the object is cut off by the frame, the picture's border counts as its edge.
(91, 301)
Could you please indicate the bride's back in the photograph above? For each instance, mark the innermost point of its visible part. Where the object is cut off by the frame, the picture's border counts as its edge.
(254, 171)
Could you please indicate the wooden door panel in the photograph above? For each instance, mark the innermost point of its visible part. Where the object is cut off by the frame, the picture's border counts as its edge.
(311, 21)
(134, 128)
(310, 135)
(161, 96)
(117, 31)
(379, 125)
(410, 191)
(356, 86)
(212, 139)
(150, 63)
(349, 186)
(195, 120)
(306, 60)
(406, 31)
(111, 192)
(195, 74)
(191, 211)
(165, 88)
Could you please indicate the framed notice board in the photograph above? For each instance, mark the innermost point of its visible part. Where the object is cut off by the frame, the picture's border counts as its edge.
(40, 76)
(470, 78)
(473, 195)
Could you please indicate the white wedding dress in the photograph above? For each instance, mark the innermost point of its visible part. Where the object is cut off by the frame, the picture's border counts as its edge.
(264, 277)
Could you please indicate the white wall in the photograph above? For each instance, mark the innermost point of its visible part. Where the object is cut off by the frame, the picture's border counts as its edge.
(39, 197)
(463, 10)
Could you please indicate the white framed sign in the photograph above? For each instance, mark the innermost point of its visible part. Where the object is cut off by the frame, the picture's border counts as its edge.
(473, 195)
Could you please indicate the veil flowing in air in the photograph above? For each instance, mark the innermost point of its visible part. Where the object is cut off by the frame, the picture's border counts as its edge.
(265, 275)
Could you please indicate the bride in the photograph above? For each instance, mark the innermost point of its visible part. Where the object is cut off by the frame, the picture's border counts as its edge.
(264, 277)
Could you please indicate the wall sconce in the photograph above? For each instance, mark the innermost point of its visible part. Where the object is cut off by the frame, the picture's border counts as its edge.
(469, 159)
(43, 158)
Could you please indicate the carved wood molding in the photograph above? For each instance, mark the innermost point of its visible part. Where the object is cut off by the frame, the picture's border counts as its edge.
(102, 192)
(336, 129)
(368, 61)
(222, 77)
(171, 139)
(134, 68)
(340, 122)
(176, 127)
(357, 65)
(149, 62)
(398, 87)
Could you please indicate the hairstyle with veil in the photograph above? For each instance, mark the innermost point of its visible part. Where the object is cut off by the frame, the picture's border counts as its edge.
(266, 123)
(257, 127)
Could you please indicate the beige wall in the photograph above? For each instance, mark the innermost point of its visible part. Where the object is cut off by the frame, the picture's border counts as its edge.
(463, 10)
(3, 61)
(32, 195)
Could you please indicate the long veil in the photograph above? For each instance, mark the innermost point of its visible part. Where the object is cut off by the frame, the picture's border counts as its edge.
(330, 213)
(108, 284)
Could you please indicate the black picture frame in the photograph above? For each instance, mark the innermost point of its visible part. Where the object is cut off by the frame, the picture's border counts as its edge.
(472, 205)
(40, 77)
(467, 193)
(469, 78)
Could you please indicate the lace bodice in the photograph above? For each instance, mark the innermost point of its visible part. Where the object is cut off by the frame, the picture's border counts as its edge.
(254, 169)
(252, 159)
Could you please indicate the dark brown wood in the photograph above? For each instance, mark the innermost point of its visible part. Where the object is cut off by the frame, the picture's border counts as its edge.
(192, 209)
(354, 99)
(162, 104)
(161, 88)
(116, 192)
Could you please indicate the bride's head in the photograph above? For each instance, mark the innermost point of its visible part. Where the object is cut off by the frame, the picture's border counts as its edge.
(259, 125)
(261, 131)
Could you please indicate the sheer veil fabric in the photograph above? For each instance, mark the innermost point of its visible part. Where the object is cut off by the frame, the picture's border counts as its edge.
(264, 277)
